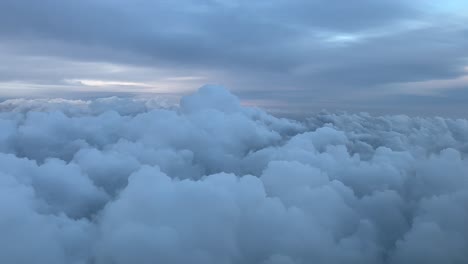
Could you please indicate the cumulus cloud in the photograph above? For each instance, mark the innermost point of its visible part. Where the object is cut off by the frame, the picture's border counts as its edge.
(124, 181)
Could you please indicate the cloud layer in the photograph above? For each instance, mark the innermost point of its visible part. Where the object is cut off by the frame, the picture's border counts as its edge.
(127, 181)
(360, 55)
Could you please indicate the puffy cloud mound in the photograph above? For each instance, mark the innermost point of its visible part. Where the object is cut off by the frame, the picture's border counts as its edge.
(124, 181)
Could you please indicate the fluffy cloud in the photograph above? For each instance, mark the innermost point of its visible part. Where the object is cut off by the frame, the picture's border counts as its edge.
(112, 181)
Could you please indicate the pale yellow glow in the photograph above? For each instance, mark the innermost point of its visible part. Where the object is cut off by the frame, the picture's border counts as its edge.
(102, 83)
(98, 77)
(164, 85)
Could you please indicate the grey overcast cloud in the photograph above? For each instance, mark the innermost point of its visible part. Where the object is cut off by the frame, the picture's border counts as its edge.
(294, 56)
(233, 132)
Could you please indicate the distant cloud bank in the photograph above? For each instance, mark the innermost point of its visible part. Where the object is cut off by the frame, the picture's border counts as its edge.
(123, 180)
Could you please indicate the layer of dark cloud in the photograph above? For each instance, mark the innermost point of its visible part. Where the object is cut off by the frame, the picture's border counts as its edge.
(321, 50)
(264, 34)
(224, 22)
(123, 180)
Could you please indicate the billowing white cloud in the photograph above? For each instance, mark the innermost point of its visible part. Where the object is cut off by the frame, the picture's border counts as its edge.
(124, 181)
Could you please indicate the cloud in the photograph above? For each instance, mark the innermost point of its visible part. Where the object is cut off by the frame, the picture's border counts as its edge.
(253, 47)
(125, 181)
(311, 55)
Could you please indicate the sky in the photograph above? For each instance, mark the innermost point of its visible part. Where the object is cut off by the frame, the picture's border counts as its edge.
(291, 57)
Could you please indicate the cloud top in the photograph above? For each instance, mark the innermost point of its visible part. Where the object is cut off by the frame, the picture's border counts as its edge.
(123, 181)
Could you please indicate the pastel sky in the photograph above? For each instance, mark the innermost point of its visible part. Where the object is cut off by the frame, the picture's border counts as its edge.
(289, 56)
